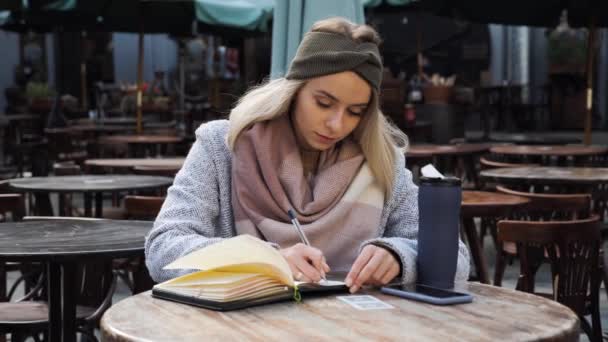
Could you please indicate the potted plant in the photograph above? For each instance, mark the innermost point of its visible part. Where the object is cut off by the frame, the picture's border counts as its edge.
(40, 97)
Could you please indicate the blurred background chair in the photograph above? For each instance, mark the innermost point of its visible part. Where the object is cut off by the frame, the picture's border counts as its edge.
(542, 207)
(572, 248)
(133, 271)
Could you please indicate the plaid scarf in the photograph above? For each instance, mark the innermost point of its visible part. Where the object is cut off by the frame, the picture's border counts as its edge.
(338, 209)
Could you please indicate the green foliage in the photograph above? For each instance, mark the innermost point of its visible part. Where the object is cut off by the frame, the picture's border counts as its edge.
(567, 48)
(37, 90)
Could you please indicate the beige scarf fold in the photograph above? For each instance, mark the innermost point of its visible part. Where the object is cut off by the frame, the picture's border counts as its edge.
(338, 210)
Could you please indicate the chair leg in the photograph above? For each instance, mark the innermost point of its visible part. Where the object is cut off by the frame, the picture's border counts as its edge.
(87, 333)
(476, 250)
(501, 265)
(604, 272)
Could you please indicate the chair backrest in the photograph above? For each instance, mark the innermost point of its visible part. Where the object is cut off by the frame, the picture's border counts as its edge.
(572, 248)
(13, 204)
(143, 207)
(65, 143)
(552, 206)
(156, 171)
(487, 163)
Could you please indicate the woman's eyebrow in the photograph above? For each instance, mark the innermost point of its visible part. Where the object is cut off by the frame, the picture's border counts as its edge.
(324, 93)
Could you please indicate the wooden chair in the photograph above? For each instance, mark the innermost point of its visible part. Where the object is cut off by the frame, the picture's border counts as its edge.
(573, 250)
(168, 171)
(542, 207)
(486, 163)
(133, 271)
(28, 316)
(143, 207)
(66, 144)
(13, 206)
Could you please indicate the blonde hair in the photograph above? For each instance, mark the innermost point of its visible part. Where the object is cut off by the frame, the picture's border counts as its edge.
(380, 141)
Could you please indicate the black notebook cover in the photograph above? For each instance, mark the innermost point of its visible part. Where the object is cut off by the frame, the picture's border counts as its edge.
(307, 290)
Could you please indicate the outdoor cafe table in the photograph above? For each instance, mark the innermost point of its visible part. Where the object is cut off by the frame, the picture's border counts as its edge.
(532, 139)
(543, 154)
(88, 184)
(484, 204)
(62, 244)
(142, 140)
(447, 157)
(128, 163)
(592, 180)
(496, 314)
(548, 175)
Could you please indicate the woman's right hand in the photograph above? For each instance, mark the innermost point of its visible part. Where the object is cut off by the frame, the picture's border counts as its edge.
(307, 263)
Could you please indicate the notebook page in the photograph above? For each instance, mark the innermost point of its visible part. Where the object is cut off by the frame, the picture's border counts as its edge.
(243, 253)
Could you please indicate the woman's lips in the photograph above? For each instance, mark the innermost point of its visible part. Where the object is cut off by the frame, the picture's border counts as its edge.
(325, 139)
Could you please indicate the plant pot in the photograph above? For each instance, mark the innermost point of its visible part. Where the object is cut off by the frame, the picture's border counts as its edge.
(41, 105)
(437, 94)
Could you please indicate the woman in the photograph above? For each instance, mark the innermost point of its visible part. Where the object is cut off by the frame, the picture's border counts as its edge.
(314, 141)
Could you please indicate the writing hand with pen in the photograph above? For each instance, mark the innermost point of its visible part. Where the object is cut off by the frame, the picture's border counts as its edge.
(374, 265)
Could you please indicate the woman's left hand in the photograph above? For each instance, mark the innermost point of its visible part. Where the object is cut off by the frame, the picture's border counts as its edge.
(374, 266)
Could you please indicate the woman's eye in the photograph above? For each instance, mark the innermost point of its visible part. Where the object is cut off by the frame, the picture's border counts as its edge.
(323, 104)
(356, 112)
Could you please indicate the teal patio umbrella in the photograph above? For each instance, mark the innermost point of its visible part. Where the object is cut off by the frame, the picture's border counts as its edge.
(292, 18)
(179, 17)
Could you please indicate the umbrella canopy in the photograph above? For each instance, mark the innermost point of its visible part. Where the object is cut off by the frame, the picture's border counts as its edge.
(10, 5)
(152, 16)
(293, 18)
(180, 17)
(545, 13)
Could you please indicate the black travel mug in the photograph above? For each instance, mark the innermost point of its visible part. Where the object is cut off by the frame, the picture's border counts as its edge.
(438, 230)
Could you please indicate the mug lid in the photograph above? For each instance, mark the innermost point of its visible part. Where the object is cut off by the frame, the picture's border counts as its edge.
(449, 180)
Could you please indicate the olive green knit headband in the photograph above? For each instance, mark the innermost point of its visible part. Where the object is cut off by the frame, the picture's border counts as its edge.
(324, 53)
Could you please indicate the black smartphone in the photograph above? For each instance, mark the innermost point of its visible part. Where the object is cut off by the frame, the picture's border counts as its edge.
(427, 294)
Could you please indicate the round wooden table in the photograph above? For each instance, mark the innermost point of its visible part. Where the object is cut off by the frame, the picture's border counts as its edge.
(140, 140)
(447, 150)
(458, 160)
(579, 153)
(484, 204)
(118, 121)
(127, 163)
(548, 175)
(532, 139)
(556, 179)
(496, 314)
(62, 245)
(88, 184)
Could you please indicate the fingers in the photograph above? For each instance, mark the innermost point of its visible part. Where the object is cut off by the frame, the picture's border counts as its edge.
(375, 266)
(360, 262)
(368, 270)
(391, 274)
(308, 271)
(306, 263)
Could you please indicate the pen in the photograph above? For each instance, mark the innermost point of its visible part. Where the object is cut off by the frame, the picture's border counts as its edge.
(296, 225)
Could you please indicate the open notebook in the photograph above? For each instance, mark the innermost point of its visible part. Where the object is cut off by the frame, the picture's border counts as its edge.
(236, 273)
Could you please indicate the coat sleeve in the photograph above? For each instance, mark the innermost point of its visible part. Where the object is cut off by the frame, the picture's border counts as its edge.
(401, 231)
(188, 219)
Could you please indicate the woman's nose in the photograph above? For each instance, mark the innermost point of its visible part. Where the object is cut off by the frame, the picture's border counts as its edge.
(334, 121)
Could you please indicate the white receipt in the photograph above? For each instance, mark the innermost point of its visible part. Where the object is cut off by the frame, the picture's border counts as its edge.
(365, 302)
